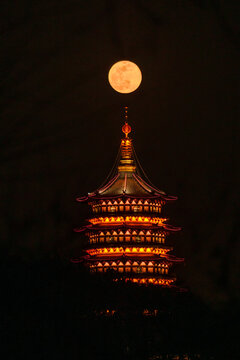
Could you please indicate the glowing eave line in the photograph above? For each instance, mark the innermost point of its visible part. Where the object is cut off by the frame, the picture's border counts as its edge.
(109, 254)
(139, 225)
(113, 221)
(102, 251)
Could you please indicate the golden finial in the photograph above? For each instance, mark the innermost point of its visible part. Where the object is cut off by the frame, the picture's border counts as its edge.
(126, 127)
(127, 160)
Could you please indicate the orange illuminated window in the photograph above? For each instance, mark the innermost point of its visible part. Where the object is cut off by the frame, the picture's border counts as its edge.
(148, 238)
(150, 267)
(114, 237)
(120, 267)
(135, 266)
(143, 266)
(114, 266)
(127, 266)
(141, 235)
(127, 236)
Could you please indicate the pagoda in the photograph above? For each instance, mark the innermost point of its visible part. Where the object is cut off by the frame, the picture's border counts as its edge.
(126, 233)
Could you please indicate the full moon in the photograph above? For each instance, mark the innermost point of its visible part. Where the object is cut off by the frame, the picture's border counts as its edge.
(125, 76)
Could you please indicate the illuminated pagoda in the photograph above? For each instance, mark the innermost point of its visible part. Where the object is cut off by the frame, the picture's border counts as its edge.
(126, 234)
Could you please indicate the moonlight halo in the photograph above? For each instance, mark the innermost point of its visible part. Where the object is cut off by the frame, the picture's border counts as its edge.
(125, 76)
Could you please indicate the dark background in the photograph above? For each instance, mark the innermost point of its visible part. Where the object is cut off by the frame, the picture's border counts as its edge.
(61, 128)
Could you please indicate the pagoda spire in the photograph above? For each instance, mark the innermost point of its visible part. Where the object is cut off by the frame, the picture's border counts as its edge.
(127, 163)
(126, 129)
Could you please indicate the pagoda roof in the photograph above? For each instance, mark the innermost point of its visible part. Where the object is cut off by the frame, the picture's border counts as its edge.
(127, 178)
(127, 184)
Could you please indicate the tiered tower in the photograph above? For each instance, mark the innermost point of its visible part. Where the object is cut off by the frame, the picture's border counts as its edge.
(127, 235)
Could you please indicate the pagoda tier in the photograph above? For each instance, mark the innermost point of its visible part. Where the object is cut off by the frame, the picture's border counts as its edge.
(127, 234)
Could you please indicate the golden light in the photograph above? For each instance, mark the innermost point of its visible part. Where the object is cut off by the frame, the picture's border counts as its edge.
(125, 76)
(120, 250)
(128, 219)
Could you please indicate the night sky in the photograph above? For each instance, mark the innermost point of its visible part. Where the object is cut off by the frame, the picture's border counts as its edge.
(61, 124)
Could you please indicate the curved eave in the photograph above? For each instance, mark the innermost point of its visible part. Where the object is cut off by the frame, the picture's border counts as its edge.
(173, 258)
(172, 228)
(97, 196)
(124, 225)
(167, 258)
(126, 257)
(151, 192)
